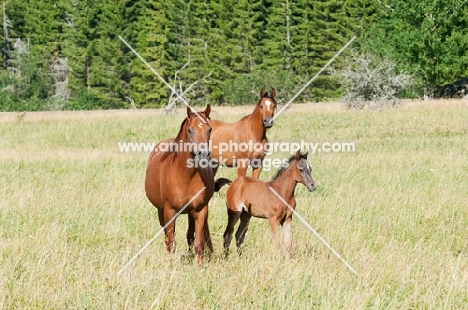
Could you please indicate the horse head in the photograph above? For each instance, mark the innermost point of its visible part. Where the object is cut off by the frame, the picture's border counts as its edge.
(198, 132)
(267, 106)
(303, 171)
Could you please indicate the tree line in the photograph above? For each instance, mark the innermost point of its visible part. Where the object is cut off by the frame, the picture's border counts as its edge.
(66, 54)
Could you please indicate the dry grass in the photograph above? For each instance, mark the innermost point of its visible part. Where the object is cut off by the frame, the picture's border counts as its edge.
(73, 212)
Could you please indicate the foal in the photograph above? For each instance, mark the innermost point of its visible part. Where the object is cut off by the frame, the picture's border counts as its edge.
(247, 197)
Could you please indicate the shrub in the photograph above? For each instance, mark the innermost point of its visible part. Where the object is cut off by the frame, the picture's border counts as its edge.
(372, 82)
(84, 101)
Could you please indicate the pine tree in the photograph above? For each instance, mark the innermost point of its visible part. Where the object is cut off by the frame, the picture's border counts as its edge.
(244, 33)
(42, 24)
(226, 54)
(195, 43)
(279, 31)
(108, 63)
(26, 83)
(302, 36)
(319, 33)
(7, 40)
(80, 20)
(361, 16)
(151, 43)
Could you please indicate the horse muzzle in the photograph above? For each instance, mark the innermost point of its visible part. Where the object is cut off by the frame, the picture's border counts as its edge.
(268, 122)
(203, 155)
(311, 187)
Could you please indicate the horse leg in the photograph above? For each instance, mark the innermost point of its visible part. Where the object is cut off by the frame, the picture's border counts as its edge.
(233, 217)
(207, 236)
(161, 217)
(200, 220)
(241, 171)
(190, 232)
(287, 223)
(287, 235)
(242, 166)
(256, 172)
(274, 223)
(169, 231)
(242, 230)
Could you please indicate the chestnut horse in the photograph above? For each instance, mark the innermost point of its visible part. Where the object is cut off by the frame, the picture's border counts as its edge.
(173, 180)
(230, 141)
(247, 197)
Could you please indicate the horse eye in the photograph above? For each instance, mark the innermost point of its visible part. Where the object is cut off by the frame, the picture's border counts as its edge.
(300, 169)
(209, 130)
(190, 130)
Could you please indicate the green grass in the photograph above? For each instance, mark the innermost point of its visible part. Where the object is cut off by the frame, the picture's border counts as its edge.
(73, 212)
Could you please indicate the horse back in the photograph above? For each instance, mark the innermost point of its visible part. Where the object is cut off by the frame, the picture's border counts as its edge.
(249, 194)
(157, 150)
(222, 131)
(231, 143)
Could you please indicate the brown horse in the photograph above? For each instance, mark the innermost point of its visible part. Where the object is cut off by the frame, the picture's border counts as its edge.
(242, 143)
(174, 181)
(247, 197)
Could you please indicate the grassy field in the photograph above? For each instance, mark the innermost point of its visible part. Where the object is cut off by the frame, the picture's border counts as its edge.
(73, 212)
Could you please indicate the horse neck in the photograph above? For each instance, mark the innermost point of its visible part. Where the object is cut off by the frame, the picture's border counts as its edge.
(285, 184)
(256, 123)
(181, 156)
(182, 159)
(207, 177)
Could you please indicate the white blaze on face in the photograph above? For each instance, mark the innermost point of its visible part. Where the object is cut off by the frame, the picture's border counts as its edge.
(268, 103)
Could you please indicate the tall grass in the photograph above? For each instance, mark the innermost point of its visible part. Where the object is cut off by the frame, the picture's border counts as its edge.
(73, 212)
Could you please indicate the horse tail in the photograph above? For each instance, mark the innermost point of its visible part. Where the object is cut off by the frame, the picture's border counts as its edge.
(220, 183)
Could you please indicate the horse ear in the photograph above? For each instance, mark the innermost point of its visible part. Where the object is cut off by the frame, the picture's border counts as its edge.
(207, 110)
(298, 155)
(305, 155)
(272, 93)
(261, 93)
(189, 111)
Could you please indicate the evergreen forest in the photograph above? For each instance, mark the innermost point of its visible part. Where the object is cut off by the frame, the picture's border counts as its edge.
(67, 54)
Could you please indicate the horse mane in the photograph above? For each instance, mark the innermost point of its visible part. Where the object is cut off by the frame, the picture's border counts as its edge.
(282, 169)
(182, 134)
